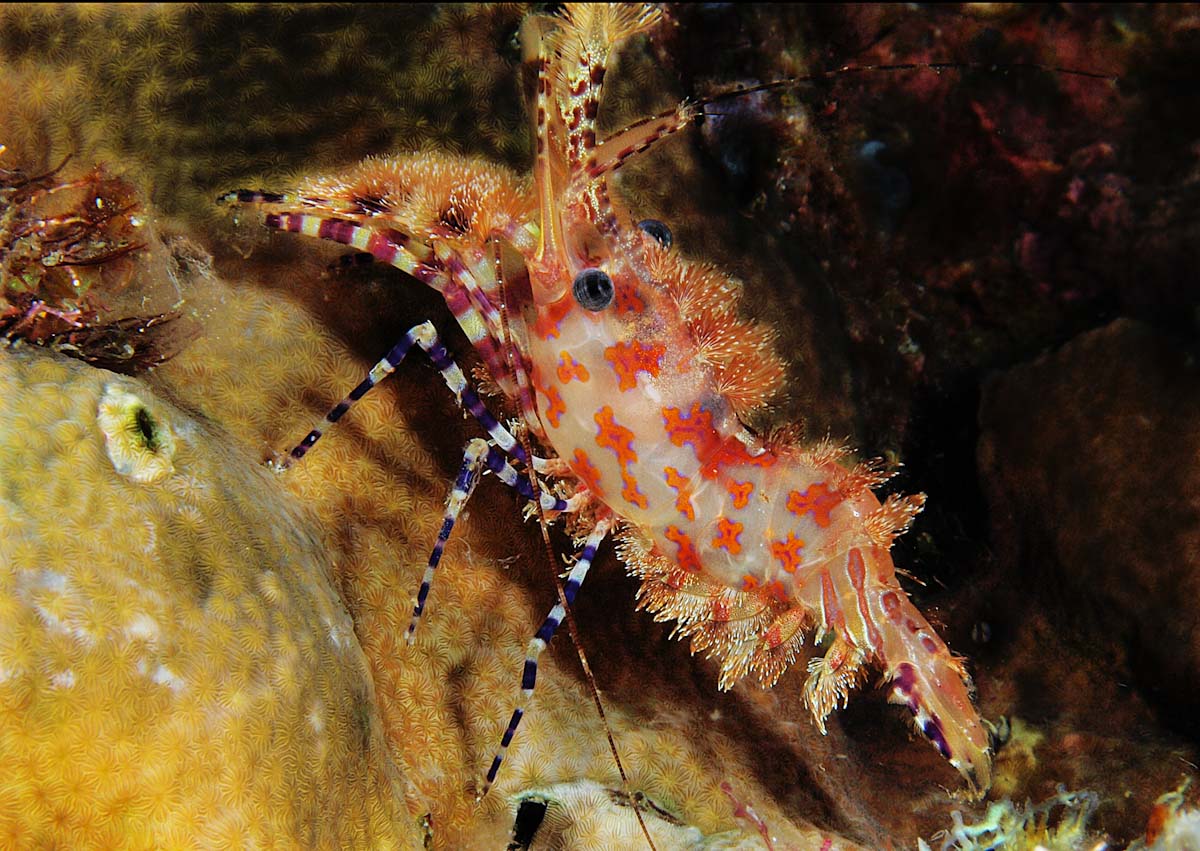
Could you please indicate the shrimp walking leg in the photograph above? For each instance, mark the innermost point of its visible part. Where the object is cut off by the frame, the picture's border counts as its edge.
(474, 458)
(425, 336)
(542, 638)
(439, 268)
(478, 455)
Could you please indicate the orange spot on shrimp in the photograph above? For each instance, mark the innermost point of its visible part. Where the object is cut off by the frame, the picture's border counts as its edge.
(612, 435)
(749, 582)
(550, 317)
(727, 536)
(719, 610)
(773, 637)
(628, 301)
(777, 590)
(554, 404)
(569, 368)
(818, 499)
(891, 606)
(628, 359)
(788, 552)
(693, 429)
(586, 470)
(733, 453)
(686, 555)
(630, 491)
(831, 610)
(740, 492)
(683, 487)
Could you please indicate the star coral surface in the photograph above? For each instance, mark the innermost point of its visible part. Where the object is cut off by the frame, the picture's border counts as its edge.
(175, 668)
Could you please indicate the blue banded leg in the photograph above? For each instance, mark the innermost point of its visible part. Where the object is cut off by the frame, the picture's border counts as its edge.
(474, 457)
(478, 454)
(508, 474)
(425, 336)
(538, 643)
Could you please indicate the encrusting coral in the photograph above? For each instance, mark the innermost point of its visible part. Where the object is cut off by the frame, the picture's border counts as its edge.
(1059, 823)
(175, 668)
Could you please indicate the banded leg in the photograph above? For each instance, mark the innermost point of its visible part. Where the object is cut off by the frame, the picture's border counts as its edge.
(478, 454)
(425, 336)
(539, 641)
(395, 248)
(474, 457)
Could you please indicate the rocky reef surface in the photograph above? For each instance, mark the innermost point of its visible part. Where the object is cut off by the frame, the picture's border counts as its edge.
(909, 233)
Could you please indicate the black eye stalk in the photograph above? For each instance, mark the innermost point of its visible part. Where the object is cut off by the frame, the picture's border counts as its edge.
(658, 230)
(593, 290)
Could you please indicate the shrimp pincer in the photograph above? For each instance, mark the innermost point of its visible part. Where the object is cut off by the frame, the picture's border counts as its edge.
(631, 373)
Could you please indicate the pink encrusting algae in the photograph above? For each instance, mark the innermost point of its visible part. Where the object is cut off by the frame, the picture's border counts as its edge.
(633, 372)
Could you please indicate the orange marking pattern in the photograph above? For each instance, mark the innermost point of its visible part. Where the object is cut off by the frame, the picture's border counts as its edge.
(554, 404)
(628, 359)
(733, 453)
(586, 470)
(693, 429)
(857, 570)
(550, 317)
(569, 368)
(727, 537)
(686, 555)
(628, 301)
(612, 435)
(818, 499)
(630, 491)
(773, 637)
(749, 582)
(740, 491)
(831, 610)
(788, 552)
(777, 590)
(683, 502)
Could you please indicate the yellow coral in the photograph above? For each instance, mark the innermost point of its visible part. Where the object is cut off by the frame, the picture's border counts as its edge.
(175, 669)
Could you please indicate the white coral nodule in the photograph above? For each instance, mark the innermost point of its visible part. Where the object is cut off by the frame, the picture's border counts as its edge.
(140, 444)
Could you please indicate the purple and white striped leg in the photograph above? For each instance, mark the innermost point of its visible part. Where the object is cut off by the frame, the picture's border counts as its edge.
(425, 336)
(479, 453)
(474, 458)
(323, 220)
(539, 641)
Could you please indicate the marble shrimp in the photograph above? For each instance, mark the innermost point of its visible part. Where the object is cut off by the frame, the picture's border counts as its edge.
(631, 369)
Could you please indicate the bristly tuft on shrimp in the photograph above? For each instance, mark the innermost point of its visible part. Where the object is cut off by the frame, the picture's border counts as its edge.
(632, 369)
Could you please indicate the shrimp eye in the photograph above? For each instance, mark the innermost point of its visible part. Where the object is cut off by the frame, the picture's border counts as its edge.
(593, 290)
(658, 230)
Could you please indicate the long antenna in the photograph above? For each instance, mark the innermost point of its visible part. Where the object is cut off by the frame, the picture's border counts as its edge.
(846, 70)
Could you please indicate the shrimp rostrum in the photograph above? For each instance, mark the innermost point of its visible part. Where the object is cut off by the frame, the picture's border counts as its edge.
(631, 372)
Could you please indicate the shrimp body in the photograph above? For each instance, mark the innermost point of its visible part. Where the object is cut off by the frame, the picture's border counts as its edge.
(634, 370)
(748, 544)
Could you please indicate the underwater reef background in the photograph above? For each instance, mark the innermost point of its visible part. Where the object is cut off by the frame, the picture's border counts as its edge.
(987, 273)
